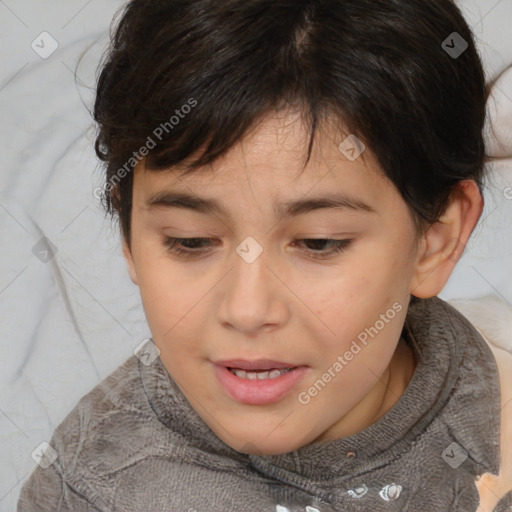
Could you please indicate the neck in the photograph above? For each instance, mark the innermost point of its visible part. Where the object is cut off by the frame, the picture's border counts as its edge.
(382, 397)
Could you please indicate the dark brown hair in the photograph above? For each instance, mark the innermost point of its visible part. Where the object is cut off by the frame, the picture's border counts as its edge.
(181, 75)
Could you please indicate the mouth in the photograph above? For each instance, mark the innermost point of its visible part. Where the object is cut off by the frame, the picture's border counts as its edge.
(273, 373)
(256, 365)
(258, 382)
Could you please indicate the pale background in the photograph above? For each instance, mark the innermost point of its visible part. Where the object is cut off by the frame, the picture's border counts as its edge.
(68, 323)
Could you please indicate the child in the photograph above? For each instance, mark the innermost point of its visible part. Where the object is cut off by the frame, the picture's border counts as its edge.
(295, 182)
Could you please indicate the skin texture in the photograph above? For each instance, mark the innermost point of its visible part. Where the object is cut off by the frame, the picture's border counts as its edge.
(290, 304)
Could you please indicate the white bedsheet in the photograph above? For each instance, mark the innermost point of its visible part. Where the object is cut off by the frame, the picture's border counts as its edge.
(68, 322)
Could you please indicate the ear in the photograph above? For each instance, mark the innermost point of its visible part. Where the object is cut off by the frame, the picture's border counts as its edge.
(444, 242)
(129, 260)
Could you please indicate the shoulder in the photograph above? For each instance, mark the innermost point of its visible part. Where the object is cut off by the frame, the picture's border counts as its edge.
(493, 319)
(119, 393)
(109, 429)
(493, 488)
(113, 452)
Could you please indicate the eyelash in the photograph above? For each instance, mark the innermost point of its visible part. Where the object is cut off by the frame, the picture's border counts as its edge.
(171, 245)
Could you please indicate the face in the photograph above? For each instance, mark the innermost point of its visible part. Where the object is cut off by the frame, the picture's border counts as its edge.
(304, 276)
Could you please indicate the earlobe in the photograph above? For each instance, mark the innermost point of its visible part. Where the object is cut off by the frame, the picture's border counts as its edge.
(129, 261)
(445, 240)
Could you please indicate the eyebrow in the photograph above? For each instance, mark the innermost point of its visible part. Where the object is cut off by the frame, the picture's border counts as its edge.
(293, 208)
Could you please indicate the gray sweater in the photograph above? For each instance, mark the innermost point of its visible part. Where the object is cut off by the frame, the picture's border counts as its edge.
(134, 443)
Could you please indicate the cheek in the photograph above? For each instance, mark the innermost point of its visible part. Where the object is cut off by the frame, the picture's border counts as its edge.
(362, 303)
(388, 267)
(167, 293)
(355, 294)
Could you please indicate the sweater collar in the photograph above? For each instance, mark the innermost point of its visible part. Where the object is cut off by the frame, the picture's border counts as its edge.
(451, 378)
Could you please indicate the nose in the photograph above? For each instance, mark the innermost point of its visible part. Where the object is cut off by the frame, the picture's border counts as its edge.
(254, 297)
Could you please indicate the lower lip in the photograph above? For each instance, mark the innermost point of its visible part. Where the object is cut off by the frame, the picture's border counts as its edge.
(260, 391)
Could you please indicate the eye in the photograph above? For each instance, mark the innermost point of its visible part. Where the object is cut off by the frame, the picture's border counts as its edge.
(337, 246)
(190, 244)
(195, 246)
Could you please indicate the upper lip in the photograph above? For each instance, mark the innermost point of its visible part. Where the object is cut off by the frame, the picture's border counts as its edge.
(257, 364)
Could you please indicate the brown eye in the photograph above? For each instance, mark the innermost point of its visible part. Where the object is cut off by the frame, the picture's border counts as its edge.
(337, 246)
(197, 246)
(189, 246)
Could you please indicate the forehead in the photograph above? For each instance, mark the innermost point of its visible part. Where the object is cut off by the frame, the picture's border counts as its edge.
(269, 166)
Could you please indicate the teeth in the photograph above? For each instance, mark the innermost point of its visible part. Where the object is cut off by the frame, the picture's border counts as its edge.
(255, 375)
